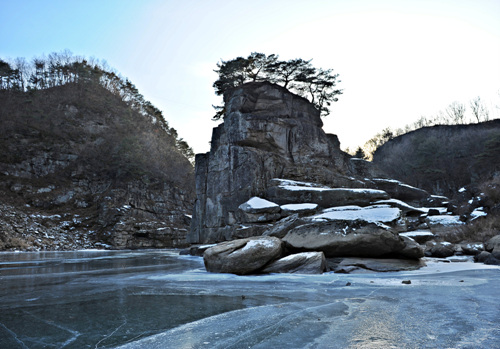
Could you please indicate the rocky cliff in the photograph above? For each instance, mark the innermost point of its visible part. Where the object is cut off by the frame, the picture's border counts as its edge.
(267, 133)
(80, 168)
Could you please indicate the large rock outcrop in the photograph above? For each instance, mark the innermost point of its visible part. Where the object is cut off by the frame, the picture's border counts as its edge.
(267, 133)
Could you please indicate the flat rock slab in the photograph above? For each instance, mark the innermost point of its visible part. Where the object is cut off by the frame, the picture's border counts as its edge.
(299, 263)
(378, 265)
(324, 197)
(242, 256)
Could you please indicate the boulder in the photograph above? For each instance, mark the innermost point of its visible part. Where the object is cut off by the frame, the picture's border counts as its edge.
(242, 256)
(348, 265)
(420, 236)
(412, 249)
(487, 258)
(299, 263)
(472, 248)
(345, 238)
(442, 250)
(493, 246)
(282, 227)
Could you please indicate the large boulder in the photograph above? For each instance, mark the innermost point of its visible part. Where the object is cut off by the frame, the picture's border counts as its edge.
(300, 263)
(493, 246)
(345, 238)
(242, 256)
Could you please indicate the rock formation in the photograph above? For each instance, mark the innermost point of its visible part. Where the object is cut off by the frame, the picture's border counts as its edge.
(267, 133)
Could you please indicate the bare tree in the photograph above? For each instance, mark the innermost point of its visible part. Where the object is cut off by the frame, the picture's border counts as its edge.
(479, 110)
(456, 112)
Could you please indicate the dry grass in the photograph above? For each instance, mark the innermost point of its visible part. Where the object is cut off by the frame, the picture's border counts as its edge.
(480, 230)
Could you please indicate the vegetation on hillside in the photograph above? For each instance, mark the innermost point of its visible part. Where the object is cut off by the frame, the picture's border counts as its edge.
(297, 75)
(63, 68)
(443, 158)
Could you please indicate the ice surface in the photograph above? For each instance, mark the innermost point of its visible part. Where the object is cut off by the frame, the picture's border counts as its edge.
(158, 299)
(369, 214)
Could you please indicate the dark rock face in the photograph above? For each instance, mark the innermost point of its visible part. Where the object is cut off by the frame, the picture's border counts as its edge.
(242, 256)
(267, 133)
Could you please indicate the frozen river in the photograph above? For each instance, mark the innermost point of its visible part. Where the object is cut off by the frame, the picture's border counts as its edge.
(157, 299)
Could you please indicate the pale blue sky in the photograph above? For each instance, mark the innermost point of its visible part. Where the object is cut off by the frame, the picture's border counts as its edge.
(398, 60)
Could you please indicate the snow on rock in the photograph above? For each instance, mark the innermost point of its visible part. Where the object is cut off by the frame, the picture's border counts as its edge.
(371, 214)
(478, 212)
(259, 205)
(419, 236)
(444, 220)
(265, 243)
(299, 207)
(402, 205)
(461, 190)
(291, 183)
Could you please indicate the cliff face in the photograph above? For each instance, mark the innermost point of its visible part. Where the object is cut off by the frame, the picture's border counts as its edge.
(78, 168)
(267, 133)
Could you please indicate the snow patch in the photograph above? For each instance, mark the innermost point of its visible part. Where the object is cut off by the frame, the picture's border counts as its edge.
(299, 207)
(368, 214)
(260, 242)
(461, 190)
(258, 203)
(445, 220)
(306, 255)
(417, 233)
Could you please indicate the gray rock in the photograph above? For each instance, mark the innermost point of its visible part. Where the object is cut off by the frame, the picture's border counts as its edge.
(242, 256)
(324, 197)
(300, 263)
(487, 258)
(282, 227)
(420, 236)
(412, 249)
(400, 191)
(267, 133)
(472, 248)
(348, 265)
(442, 250)
(493, 245)
(345, 238)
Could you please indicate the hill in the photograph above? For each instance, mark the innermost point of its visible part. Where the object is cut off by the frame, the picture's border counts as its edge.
(443, 158)
(80, 167)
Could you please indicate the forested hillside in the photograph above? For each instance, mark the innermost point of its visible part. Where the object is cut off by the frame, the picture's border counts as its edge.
(84, 159)
(443, 158)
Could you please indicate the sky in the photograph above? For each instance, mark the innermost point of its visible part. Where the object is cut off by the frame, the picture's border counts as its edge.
(397, 60)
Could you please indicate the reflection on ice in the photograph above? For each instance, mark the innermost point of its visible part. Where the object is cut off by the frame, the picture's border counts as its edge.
(157, 299)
